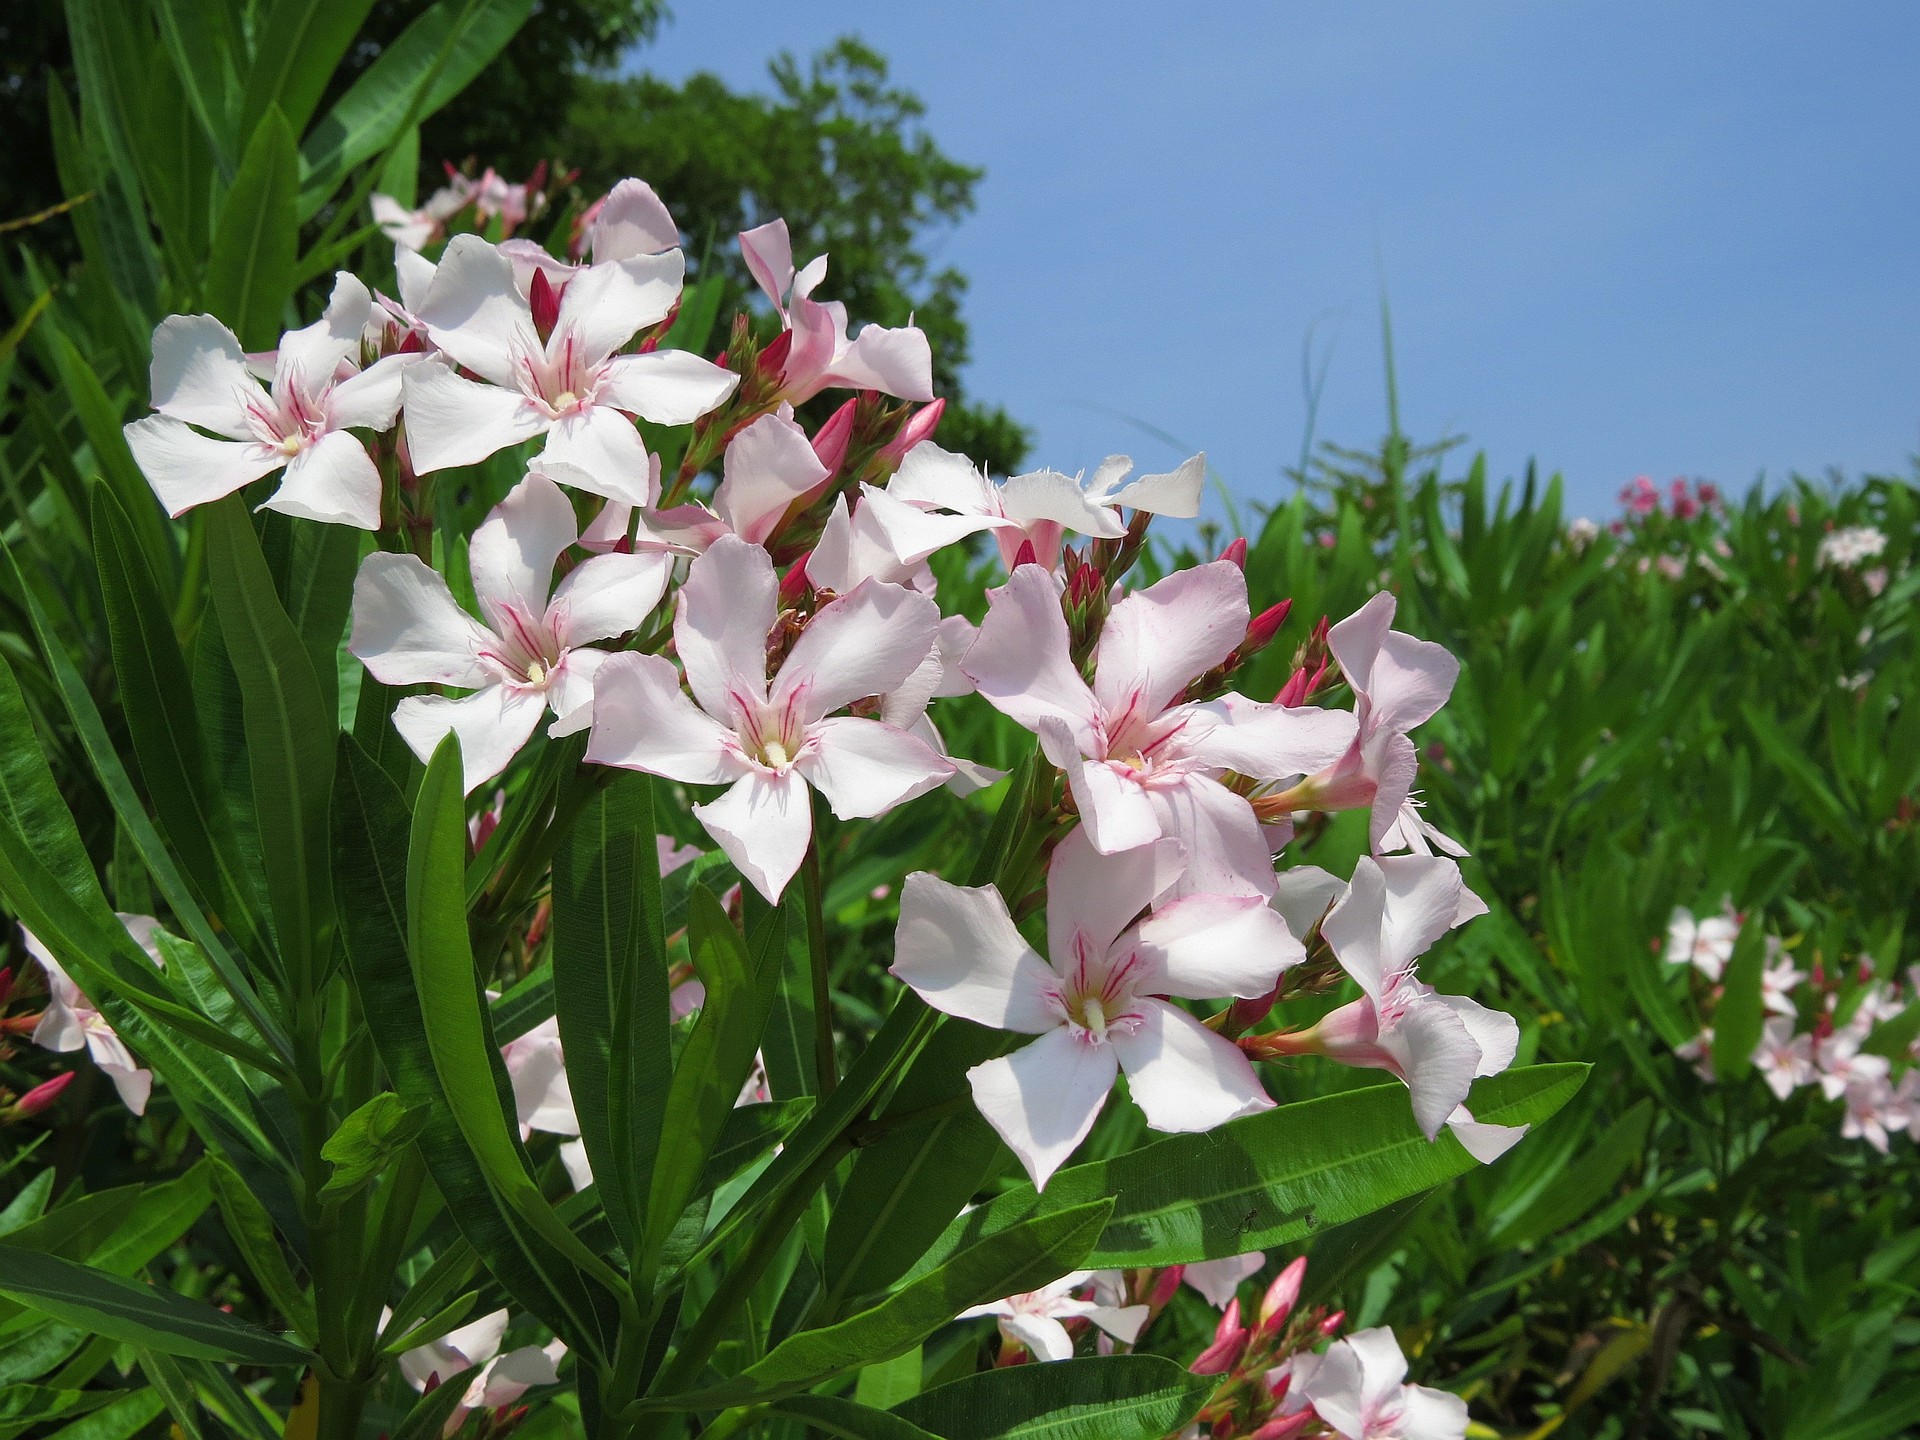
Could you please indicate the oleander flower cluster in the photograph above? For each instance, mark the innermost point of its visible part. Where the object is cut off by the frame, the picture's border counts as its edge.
(1818, 1033)
(712, 587)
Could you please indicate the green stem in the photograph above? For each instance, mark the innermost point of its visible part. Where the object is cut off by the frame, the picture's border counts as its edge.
(817, 962)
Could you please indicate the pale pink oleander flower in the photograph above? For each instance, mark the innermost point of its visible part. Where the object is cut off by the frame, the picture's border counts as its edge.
(1848, 546)
(572, 386)
(1033, 1319)
(1098, 1005)
(534, 652)
(939, 676)
(301, 422)
(1875, 580)
(1784, 1059)
(1436, 1045)
(1699, 1053)
(1358, 1389)
(1219, 1280)
(1042, 506)
(72, 1021)
(897, 362)
(1706, 944)
(1874, 1109)
(537, 1067)
(1398, 682)
(629, 221)
(1778, 982)
(1841, 1063)
(878, 537)
(499, 1380)
(770, 741)
(1142, 763)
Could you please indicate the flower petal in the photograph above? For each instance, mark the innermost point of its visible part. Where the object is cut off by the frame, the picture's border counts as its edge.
(865, 768)
(407, 629)
(929, 475)
(861, 644)
(454, 421)
(1048, 495)
(668, 387)
(1494, 1031)
(369, 399)
(1159, 640)
(334, 481)
(1183, 1075)
(512, 552)
(199, 374)
(1411, 680)
(957, 947)
(1114, 809)
(606, 304)
(1487, 1142)
(644, 721)
(608, 595)
(1045, 1336)
(1020, 662)
(599, 450)
(1435, 1054)
(769, 465)
(895, 361)
(309, 356)
(1303, 894)
(1175, 494)
(769, 256)
(1210, 945)
(1269, 742)
(1226, 852)
(1356, 640)
(1044, 1097)
(1218, 1280)
(727, 607)
(1429, 1414)
(493, 724)
(763, 823)
(186, 468)
(475, 312)
(1092, 898)
(632, 221)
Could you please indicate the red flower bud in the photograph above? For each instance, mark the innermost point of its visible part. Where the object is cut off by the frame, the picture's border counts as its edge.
(794, 585)
(1165, 1284)
(1236, 552)
(1026, 555)
(1229, 1323)
(545, 303)
(1264, 626)
(773, 359)
(1282, 1295)
(41, 1096)
(1331, 1325)
(1083, 588)
(6, 983)
(1284, 1427)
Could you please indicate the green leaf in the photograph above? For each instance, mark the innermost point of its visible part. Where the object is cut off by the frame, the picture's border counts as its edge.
(320, 595)
(120, 1419)
(1268, 1179)
(718, 1056)
(157, 699)
(885, 1385)
(161, 1215)
(1114, 1397)
(290, 732)
(1738, 1018)
(138, 1314)
(1582, 1185)
(205, 46)
(434, 59)
(252, 1231)
(610, 993)
(297, 46)
(459, 1037)
(1801, 773)
(250, 271)
(368, 1141)
(1024, 1256)
(430, 1413)
(371, 837)
(100, 421)
(846, 1420)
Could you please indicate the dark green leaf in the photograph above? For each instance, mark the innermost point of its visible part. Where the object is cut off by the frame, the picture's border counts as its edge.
(368, 1141)
(1738, 1018)
(297, 46)
(250, 272)
(253, 1235)
(1115, 1397)
(844, 1420)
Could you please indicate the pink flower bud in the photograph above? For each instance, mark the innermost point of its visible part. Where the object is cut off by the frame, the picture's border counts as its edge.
(1285, 1426)
(544, 301)
(1282, 1295)
(1264, 626)
(41, 1096)
(1025, 555)
(1236, 552)
(773, 359)
(1164, 1286)
(1229, 1322)
(1221, 1356)
(1083, 587)
(794, 585)
(1331, 1325)
(918, 426)
(830, 441)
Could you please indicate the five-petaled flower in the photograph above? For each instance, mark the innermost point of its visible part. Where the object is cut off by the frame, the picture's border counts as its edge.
(1142, 761)
(1034, 1318)
(1100, 1004)
(1358, 1388)
(769, 740)
(300, 422)
(534, 652)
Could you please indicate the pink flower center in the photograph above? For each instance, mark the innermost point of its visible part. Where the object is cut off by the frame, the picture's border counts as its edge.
(529, 652)
(287, 420)
(560, 379)
(1096, 996)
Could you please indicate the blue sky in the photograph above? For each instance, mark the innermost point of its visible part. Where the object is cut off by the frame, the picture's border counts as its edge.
(1619, 237)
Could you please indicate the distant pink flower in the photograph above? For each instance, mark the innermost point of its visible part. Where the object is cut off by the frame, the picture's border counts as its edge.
(1358, 1389)
(500, 1379)
(771, 740)
(1706, 944)
(1141, 760)
(1641, 496)
(1098, 1005)
(820, 354)
(1784, 1059)
(71, 1021)
(1034, 1319)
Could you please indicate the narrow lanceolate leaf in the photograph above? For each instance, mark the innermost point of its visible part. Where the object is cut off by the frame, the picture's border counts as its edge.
(845, 1420)
(158, 701)
(290, 732)
(371, 838)
(610, 993)
(250, 272)
(740, 981)
(1269, 1179)
(252, 1231)
(433, 59)
(1738, 1018)
(459, 1036)
(138, 1314)
(1115, 1397)
(1033, 1252)
(297, 46)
